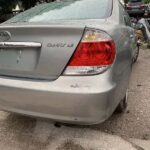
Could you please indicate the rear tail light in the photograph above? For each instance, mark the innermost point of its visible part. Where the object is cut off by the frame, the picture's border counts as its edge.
(94, 54)
(129, 6)
(142, 6)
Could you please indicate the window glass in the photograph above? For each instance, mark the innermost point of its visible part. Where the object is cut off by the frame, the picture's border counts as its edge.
(66, 10)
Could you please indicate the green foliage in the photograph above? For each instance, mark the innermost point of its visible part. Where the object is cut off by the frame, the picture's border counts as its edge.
(147, 1)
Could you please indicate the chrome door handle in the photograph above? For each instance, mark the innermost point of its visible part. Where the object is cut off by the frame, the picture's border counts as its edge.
(20, 45)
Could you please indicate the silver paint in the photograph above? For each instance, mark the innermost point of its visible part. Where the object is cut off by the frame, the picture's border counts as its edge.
(71, 99)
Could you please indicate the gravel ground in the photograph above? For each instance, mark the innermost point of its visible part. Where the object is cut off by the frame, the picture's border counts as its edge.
(24, 133)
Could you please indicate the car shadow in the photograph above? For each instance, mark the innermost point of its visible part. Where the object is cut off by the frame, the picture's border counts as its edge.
(23, 132)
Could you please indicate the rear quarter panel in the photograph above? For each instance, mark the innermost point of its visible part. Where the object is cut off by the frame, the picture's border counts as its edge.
(122, 66)
(121, 69)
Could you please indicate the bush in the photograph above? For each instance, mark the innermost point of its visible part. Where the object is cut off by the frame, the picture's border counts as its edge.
(147, 1)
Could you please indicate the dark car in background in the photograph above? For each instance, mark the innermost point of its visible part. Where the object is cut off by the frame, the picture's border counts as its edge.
(136, 7)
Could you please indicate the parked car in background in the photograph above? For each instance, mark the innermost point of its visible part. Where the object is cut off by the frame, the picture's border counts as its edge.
(136, 7)
(67, 62)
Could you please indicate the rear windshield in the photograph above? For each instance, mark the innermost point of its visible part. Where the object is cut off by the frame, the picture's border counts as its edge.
(66, 10)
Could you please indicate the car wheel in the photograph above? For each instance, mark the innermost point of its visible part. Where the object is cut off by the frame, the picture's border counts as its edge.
(123, 105)
(136, 55)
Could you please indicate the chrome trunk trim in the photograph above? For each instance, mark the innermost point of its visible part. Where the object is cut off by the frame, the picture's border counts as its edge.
(20, 45)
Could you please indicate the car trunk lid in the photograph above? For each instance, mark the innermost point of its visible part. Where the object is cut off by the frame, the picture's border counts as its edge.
(37, 51)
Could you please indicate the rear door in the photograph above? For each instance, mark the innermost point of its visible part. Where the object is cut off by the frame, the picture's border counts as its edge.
(37, 51)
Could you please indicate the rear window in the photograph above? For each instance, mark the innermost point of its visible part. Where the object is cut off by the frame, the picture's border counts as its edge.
(66, 10)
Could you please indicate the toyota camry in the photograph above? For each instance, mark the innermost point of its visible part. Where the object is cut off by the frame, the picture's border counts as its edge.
(69, 61)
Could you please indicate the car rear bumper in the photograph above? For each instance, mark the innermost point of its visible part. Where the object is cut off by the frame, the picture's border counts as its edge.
(68, 99)
(136, 11)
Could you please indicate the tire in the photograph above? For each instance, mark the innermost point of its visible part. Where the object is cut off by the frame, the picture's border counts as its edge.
(135, 58)
(123, 105)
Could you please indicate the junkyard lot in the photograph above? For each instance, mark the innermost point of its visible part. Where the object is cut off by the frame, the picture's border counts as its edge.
(24, 133)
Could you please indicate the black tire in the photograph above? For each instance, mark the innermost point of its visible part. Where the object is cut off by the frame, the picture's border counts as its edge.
(123, 105)
(136, 55)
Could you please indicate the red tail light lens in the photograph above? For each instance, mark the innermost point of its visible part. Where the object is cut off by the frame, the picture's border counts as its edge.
(95, 53)
(99, 53)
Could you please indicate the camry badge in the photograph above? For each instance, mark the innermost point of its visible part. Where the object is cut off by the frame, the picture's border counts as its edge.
(4, 36)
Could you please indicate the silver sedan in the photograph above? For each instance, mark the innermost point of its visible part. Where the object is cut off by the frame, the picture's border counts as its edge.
(69, 61)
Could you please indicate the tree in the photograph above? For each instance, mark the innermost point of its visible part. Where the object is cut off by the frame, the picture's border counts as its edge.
(7, 5)
(147, 1)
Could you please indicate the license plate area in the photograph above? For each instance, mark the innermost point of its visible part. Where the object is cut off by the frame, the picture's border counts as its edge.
(18, 59)
(136, 6)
